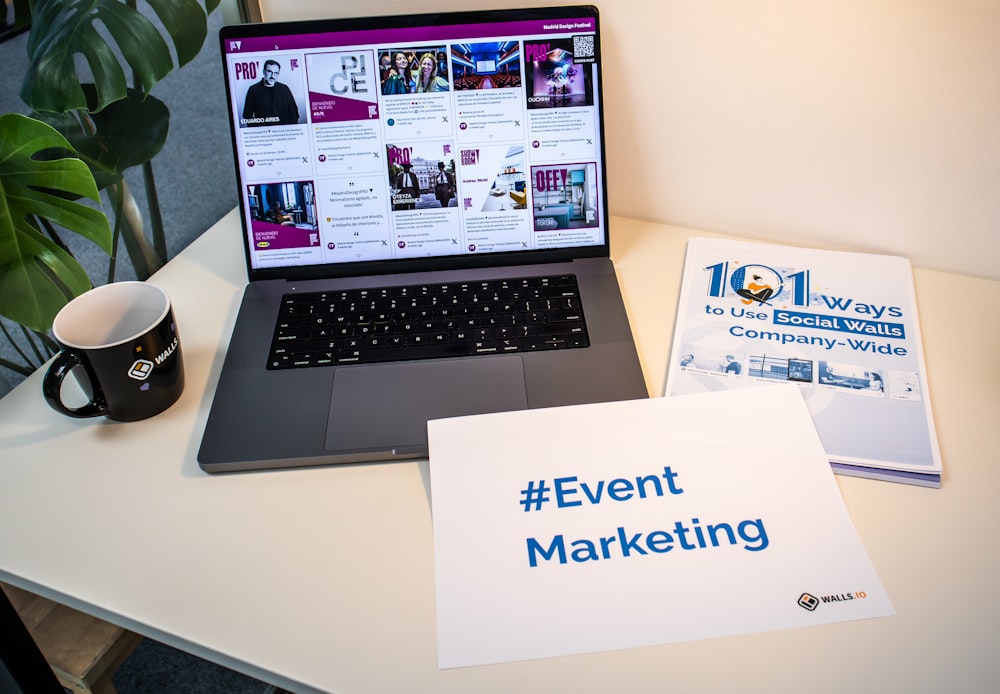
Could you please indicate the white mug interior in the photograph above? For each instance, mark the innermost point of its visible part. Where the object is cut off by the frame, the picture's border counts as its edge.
(110, 315)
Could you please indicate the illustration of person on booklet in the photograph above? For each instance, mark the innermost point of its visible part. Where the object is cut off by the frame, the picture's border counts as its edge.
(756, 291)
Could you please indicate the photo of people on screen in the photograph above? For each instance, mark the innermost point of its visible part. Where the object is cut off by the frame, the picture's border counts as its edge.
(290, 203)
(420, 182)
(428, 79)
(397, 77)
(407, 191)
(413, 71)
(283, 217)
(444, 185)
(270, 102)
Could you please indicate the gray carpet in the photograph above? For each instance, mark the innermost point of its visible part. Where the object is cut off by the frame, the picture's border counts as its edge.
(196, 183)
(157, 669)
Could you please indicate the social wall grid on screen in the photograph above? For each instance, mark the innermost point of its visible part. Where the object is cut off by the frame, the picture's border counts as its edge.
(408, 143)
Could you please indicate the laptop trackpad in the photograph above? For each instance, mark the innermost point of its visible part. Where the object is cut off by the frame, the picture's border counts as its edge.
(386, 406)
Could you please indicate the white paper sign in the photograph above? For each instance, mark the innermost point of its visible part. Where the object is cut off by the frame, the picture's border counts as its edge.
(599, 527)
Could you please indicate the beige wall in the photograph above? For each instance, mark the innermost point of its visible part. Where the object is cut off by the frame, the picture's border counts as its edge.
(869, 124)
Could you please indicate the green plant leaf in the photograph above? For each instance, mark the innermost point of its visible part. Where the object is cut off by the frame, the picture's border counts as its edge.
(70, 127)
(62, 29)
(37, 276)
(129, 132)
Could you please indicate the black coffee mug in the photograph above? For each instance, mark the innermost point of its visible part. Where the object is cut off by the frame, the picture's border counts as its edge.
(121, 342)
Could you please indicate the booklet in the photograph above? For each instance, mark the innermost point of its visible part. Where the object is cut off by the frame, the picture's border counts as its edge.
(572, 530)
(842, 327)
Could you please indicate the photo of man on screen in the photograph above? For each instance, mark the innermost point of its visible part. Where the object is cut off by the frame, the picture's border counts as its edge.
(270, 102)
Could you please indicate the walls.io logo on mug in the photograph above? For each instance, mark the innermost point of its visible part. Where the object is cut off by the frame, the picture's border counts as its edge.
(140, 369)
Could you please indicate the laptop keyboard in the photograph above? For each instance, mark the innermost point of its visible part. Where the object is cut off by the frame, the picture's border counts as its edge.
(364, 326)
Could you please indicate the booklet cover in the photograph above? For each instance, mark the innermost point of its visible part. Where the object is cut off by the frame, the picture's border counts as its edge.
(842, 327)
(572, 530)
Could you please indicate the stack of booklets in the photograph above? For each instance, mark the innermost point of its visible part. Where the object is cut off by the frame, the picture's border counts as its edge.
(842, 327)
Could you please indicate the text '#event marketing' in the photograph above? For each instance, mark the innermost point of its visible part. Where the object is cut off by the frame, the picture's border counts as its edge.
(566, 494)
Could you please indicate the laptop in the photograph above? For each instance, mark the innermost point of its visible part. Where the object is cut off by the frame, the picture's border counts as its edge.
(425, 222)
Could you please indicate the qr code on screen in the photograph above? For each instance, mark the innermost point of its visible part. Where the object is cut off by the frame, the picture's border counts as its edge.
(584, 48)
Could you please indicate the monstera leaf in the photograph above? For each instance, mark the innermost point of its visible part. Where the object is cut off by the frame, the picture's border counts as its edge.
(37, 276)
(61, 29)
(127, 133)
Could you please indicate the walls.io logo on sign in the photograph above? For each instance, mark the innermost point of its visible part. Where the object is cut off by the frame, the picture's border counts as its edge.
(808, 602)
(811, 602)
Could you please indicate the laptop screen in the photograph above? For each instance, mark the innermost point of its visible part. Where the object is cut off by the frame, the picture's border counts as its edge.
(373, 142)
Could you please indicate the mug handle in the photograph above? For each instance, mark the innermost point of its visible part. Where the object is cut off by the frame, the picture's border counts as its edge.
(52, 387)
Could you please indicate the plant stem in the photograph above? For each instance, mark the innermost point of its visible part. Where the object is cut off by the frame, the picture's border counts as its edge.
(51, 346)
(116, 196)
(51, 231)
(31, 341)
(17, 368)
(152, 198)
(11, 365)
(143, 256)
(155, 217)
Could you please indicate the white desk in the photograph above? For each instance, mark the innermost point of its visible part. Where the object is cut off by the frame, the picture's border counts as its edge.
(323, 579)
